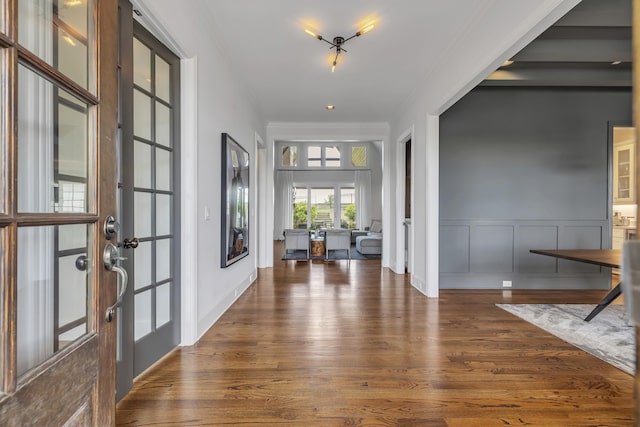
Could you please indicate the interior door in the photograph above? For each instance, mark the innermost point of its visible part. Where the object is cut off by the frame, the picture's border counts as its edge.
(149, 324)
(58, 95)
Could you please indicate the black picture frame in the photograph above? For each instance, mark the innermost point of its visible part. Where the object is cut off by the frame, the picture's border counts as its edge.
(234, 218)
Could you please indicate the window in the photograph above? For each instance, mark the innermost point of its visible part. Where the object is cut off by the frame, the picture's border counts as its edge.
(314, 156)
(321, 155)
(322, 207)
(347, 208)
(332, 157)
(289, 156)
(359, 156)
(300, 208)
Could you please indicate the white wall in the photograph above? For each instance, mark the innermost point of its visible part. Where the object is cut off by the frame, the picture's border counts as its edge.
(214, 103)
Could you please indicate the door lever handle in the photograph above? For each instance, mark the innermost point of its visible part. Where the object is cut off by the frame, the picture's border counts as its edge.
(110, 257)
(111, 311)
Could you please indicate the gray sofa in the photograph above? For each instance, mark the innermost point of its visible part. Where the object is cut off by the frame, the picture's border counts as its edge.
(371, 244)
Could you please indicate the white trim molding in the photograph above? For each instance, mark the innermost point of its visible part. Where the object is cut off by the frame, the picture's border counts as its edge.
(401, 151)
(433, 205)
(189, 200)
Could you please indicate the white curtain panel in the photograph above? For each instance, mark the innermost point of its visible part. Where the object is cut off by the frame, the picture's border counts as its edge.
(363, 199)
(283, 206)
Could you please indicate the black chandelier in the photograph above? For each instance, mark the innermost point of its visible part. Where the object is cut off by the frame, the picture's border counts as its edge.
(339, 41)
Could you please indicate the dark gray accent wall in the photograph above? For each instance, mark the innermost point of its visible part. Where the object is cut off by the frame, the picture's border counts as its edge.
(524, 168)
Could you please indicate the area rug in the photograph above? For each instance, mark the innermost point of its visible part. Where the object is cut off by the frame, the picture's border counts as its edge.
(333, 255)
(608, 336)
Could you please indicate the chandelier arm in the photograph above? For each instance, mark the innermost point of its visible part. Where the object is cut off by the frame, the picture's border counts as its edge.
(327, 41)
(349, 38)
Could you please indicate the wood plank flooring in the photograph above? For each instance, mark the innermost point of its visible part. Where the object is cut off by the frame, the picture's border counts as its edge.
(323, 344)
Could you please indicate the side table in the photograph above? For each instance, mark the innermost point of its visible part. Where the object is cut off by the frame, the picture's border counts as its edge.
(317, 246)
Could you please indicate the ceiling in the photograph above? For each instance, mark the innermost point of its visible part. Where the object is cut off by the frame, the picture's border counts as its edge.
(439, 47)
(589, 46)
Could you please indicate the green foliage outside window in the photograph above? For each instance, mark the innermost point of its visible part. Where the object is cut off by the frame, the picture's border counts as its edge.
(350, 215)
(300, 214)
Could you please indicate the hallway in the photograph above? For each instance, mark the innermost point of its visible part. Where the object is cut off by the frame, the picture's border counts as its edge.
(321, 344)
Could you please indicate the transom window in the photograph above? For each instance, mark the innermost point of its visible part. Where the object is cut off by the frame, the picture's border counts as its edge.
(314, 156)
(332, 156)
(359, 156)
(289, 156)
(322, 155)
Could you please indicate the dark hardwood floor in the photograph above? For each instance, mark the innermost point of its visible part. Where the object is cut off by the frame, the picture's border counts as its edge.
(323, 344)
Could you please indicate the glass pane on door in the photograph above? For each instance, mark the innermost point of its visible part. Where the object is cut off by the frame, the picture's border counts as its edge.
(60, 32)
(53, 148)
(163, 214)
(163, 79)
(54, 290)
(163, 304)
(163, 124)
(142, 265)
(143, 313)
(141, 115)
(141, 65)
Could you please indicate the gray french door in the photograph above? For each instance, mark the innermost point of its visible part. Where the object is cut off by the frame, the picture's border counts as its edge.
(149, 318)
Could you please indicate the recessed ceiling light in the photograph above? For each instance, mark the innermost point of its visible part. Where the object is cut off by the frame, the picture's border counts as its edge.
(616, 63)
(330, 107)
(507, 63)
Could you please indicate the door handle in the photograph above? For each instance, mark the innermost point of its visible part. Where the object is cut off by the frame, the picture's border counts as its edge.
(110, 258)
(82, 263)
(130, 243)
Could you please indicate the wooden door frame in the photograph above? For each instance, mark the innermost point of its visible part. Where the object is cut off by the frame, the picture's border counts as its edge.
(107, 40)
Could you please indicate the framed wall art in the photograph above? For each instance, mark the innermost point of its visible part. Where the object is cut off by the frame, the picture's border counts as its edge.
(234, 241)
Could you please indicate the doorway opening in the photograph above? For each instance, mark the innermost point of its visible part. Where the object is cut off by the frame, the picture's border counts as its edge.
(407, 206)
(624, 207)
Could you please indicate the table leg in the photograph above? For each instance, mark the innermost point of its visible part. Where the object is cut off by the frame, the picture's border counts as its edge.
(615, 293)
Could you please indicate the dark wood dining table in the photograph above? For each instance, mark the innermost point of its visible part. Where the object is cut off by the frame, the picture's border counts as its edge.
(603, 257)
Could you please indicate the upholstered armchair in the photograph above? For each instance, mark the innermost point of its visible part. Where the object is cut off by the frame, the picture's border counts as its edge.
(337, 239)
(296, 239)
